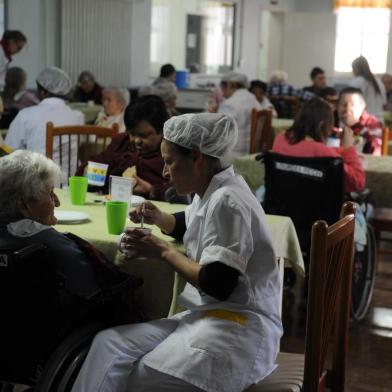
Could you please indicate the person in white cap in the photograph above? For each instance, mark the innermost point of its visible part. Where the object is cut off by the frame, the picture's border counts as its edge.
(28, 130)
(228, 336)
(239, 103)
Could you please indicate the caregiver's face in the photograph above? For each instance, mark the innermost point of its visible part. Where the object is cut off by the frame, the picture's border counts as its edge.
(178, 168)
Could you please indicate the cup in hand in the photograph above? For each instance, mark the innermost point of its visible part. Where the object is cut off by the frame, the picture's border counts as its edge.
(77, 189)
(116, 214)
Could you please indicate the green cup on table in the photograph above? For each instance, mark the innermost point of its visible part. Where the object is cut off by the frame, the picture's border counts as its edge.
(78, 190)
(116, 214)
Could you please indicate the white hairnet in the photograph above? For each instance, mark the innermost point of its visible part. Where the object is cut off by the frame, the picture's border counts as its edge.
(55, 81)
(213, 134)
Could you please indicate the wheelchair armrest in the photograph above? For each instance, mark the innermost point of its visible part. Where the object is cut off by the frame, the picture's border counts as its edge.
(28, 250)
(361, 197)
(260, 157)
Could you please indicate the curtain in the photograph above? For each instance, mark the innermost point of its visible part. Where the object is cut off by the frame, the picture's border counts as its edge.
(363, 3)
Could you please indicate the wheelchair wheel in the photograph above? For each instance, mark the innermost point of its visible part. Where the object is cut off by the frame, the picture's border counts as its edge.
(64, 364)
(364, 270)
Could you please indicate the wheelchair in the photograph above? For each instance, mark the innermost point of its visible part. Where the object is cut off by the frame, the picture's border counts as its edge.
(46, 331)
(309, 189)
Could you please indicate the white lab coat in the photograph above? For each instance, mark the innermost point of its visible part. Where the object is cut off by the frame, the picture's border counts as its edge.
(240, 106)
(4, 63)
(209, 352)
(28, 130)
(374, 102)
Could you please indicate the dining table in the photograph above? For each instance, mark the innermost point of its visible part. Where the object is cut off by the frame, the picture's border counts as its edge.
(158, 295)
(378, 170)
(281, 124)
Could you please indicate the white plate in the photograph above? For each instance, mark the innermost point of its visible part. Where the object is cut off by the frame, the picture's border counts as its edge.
(136, 200)
(71, 216)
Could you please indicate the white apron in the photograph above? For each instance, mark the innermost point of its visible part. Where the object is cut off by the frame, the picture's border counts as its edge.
(226, 346)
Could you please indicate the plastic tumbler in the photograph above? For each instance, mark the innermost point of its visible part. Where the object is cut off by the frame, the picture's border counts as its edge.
(77, 190)
(116, 214)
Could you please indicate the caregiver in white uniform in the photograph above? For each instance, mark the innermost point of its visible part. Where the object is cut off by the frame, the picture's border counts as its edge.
(228, 337)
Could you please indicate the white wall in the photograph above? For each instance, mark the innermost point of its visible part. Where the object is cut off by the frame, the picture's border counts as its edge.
(308, 41)
(39, 20)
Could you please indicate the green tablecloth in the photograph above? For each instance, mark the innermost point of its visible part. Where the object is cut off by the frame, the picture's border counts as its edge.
(90, 112)
(281, 124)
(161, 285)
(378, 176)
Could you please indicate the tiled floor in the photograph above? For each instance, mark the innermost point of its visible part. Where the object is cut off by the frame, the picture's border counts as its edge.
(370, 345)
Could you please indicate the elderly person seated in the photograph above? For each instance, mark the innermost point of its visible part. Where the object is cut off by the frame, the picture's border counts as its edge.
(115, 100)
(136, 153)
(27, 202)
(88, 89)
(259, 88)
(228, 336)
(15, 95)
(352, 114)
(28, 130)
(239, 103)
(282, 94)
(319, 83)
(167, 91)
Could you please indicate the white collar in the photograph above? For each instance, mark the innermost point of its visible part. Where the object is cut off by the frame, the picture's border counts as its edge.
(52, 101)
(25, 228)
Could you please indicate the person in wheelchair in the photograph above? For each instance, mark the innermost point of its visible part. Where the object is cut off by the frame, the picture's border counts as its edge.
(308, 137)
(27, 202)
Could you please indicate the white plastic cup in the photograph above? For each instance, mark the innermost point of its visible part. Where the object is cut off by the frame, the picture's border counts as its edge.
(96, 173)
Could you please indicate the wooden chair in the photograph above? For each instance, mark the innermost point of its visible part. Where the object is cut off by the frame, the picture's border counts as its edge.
(386, 138)
(76, 143)
(327, 326)
(261, 136)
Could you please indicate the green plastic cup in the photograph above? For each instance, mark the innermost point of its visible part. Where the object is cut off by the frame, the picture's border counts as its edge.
(77, 190)
(116, 214)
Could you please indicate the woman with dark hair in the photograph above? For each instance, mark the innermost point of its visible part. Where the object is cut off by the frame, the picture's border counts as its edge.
(15, 95)
(371, 86)
(12, 42)
(138, 148)
(308, 135)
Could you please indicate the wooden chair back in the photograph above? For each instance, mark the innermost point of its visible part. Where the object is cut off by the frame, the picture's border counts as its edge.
(261, 137)
(329, 300)
(77, 143)
(386, 138)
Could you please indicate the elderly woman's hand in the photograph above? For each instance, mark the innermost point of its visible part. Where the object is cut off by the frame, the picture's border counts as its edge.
(141, 243)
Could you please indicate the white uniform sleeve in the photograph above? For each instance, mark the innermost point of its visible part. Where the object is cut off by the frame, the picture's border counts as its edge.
(227, 236)
(16, 134)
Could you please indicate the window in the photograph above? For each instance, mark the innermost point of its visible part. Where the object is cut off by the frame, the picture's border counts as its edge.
(362, 31)
(197, 35)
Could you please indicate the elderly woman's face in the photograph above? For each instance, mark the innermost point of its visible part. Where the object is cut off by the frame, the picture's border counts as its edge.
(42, 209)
(111, 104)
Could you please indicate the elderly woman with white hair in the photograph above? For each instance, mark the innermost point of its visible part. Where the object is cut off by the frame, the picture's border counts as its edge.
(228, 336)
(27, 202)
(114, 101)
(165, 90)
(239, 103)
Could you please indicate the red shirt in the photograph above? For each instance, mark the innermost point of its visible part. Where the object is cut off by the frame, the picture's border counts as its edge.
(354, 172)
(370, 128)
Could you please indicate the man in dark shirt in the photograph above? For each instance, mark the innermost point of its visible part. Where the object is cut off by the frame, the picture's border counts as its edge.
(319, 83)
